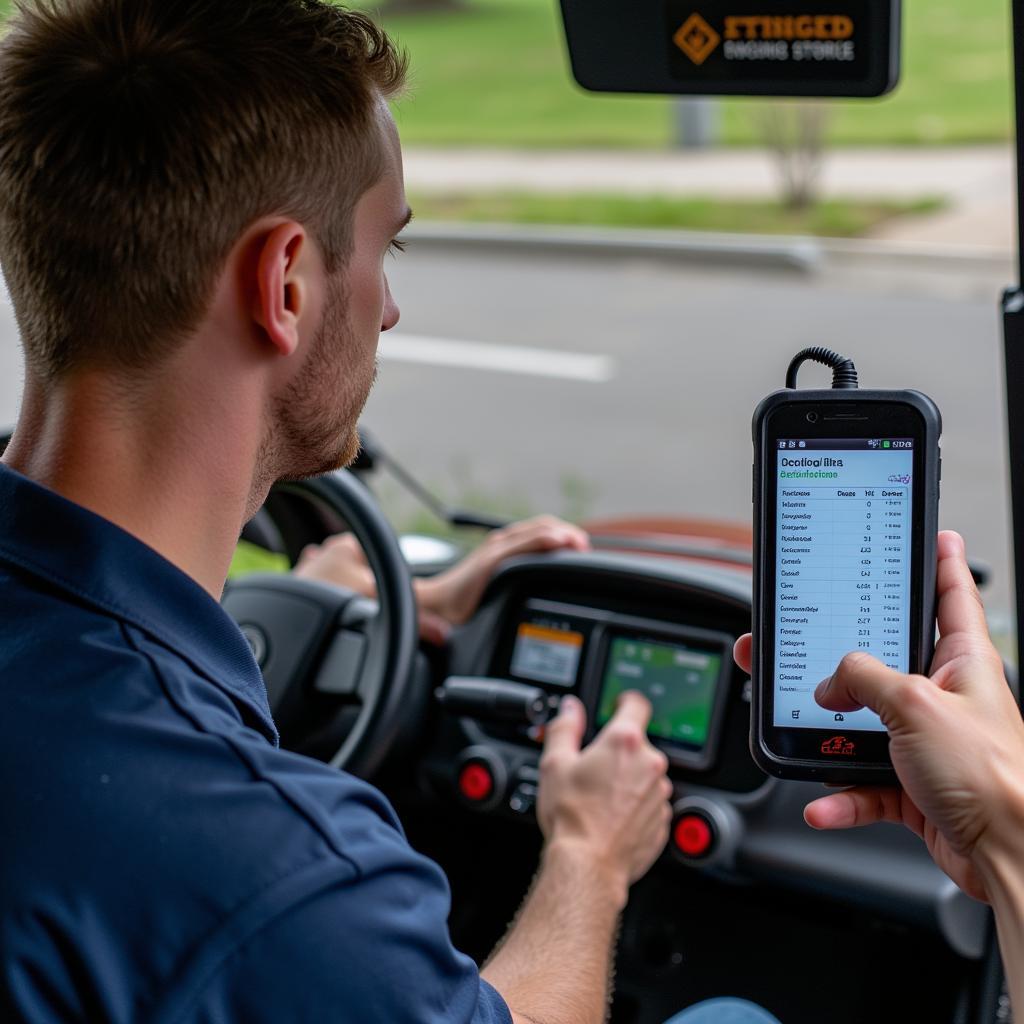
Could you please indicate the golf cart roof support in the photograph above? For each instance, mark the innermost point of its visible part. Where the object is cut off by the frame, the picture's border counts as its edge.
(1013, 340)
(1018, 87)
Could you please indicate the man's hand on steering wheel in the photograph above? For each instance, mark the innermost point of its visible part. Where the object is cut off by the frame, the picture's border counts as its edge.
(450, 598)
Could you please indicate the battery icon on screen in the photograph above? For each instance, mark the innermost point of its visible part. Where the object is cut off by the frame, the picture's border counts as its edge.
(887, 444)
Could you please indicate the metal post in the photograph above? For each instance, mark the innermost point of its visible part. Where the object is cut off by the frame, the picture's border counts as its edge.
(1018, 90)
(696, 122)
(1013, 341)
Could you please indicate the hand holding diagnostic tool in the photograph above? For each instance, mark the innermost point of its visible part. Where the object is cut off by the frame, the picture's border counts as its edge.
(957, 744)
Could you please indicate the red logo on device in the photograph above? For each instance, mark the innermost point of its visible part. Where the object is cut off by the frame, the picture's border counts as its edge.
(838, 745)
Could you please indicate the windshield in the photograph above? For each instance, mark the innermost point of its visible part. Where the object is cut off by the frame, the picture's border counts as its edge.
(550, 359)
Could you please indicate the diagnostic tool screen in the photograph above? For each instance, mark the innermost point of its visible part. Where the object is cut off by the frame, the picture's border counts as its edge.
(842, 572)
(546, 653)
(679, 681)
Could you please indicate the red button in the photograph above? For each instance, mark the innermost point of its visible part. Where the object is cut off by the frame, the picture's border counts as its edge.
(476, 782)
(693, 835)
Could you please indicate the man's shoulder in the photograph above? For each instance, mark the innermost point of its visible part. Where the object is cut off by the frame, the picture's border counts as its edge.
(47, 635)
(170, 747)
(24, 594)
(57, 652)
(101, 691)
(128, 771)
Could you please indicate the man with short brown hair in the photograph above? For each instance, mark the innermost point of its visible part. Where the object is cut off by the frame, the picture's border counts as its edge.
(196, 199)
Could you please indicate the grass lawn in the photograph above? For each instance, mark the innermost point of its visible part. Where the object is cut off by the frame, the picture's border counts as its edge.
(836, 219)
(495, 74)
(249, 558)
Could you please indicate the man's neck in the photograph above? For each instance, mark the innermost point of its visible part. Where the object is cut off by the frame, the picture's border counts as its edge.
(180, 484)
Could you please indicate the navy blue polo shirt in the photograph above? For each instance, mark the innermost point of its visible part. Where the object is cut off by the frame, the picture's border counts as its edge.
(161, 859)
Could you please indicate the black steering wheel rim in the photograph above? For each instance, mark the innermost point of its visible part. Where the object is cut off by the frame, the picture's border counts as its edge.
(389, 625)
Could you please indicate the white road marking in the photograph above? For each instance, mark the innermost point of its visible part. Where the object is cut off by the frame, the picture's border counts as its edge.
(476, 355)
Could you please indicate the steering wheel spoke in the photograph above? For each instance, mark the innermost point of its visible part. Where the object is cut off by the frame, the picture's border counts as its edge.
(342, 668)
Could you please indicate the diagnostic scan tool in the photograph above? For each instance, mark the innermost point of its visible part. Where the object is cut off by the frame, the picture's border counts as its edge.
(846, 515)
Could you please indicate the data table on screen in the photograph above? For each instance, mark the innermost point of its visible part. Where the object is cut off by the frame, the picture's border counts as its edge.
(842, 581)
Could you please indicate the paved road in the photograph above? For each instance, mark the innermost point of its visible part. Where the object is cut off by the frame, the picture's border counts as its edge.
(653, 415)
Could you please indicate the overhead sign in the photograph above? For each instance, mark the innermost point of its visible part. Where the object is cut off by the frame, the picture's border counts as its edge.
(735, 47)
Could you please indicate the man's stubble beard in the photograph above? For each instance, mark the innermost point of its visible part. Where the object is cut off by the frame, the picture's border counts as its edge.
(314, 422)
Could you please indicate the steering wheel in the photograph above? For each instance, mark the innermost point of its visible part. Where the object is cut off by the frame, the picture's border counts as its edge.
(339, 668)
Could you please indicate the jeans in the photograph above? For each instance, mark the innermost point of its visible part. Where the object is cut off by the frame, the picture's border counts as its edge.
(723, 1011)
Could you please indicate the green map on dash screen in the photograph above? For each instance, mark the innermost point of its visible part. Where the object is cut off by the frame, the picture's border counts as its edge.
(679, 683)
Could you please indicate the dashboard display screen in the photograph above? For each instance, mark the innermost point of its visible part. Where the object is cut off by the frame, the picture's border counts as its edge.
(546, 653)
(842, 573)
(679, 681)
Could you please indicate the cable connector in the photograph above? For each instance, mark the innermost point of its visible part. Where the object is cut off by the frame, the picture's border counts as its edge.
(844, 373)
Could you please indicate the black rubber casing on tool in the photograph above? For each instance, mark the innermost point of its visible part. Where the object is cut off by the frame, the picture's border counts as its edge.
(799, 753)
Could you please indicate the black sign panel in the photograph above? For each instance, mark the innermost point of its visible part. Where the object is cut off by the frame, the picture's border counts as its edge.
(735, 47)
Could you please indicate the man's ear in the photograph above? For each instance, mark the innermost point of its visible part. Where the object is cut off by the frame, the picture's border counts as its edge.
(281, 288)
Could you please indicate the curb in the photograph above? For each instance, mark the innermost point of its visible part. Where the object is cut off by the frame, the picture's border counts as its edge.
(800, 255)
(943, 256)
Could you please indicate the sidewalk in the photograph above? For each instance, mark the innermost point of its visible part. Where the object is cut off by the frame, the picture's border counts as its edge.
(977, 183)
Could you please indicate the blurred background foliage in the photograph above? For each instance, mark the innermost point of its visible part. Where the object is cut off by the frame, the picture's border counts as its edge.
(495, 73)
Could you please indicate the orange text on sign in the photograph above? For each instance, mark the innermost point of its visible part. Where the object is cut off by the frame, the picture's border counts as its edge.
(789, 27)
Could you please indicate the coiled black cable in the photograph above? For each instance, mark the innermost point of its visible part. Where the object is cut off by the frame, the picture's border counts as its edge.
(844, 373)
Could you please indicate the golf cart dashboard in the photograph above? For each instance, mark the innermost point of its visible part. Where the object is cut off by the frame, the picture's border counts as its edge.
(699, 699)
(597, 625)
(594, 624)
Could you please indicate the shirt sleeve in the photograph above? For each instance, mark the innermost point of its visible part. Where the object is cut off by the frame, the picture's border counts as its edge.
(375, 950)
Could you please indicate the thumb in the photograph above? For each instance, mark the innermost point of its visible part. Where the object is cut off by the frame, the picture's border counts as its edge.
(862, 681)
(564, 733)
